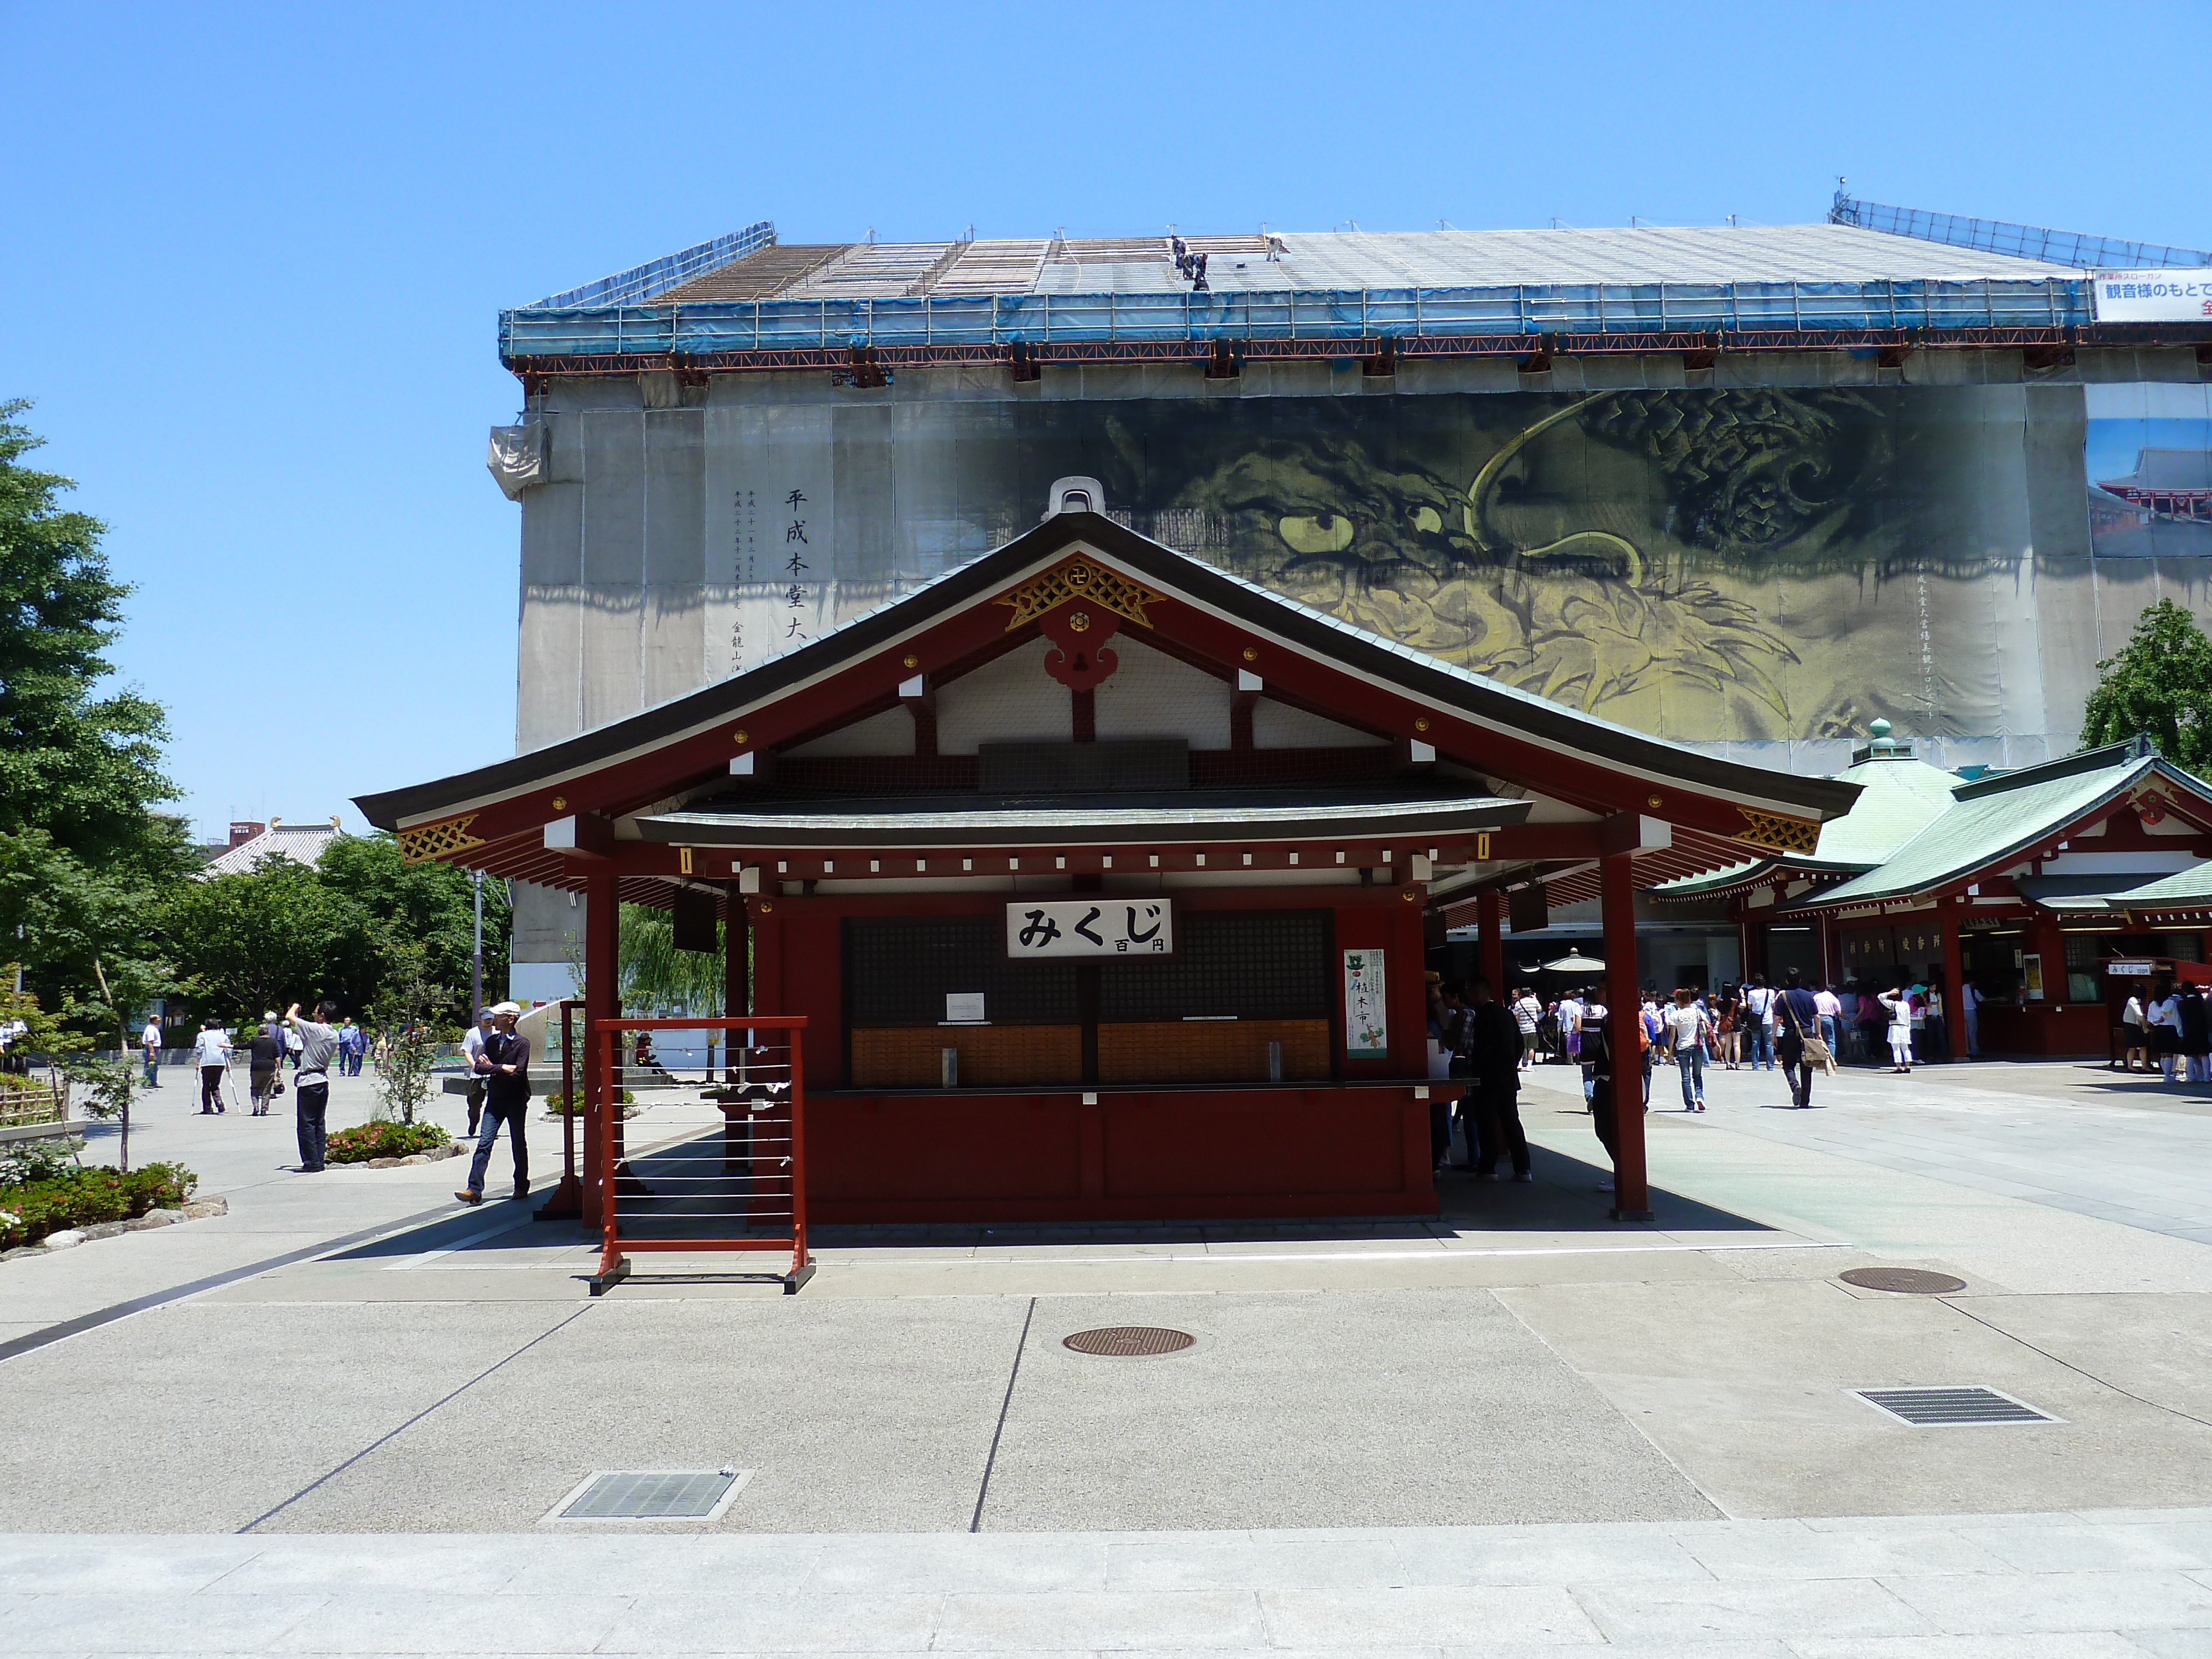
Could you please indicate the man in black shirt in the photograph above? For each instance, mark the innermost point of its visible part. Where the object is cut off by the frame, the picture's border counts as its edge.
(1494, 1049)
(506, 1099)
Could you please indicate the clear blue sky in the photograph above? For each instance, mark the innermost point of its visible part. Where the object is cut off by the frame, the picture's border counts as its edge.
(253, 256)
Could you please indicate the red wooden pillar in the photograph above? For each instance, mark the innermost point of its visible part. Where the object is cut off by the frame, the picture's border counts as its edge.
(1631, 1198)
(1490, 944)
(602, 1000)
(737, 974)
(1954, 975)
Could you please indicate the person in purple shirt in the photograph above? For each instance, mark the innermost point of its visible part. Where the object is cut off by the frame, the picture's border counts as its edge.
(1796, 1018)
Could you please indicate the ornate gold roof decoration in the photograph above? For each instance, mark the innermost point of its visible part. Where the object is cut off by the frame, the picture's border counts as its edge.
(1079, 578)
(1785, 835)
(424, 842)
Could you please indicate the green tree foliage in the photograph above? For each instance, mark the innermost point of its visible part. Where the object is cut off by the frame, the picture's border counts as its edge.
(432, 905)
(83, 852)
(267, 937)
(2162, 684)
(82, 766)
(355, 928)
(658, 979)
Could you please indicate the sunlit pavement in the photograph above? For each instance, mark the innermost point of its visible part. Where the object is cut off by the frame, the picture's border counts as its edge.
(1518, 1425)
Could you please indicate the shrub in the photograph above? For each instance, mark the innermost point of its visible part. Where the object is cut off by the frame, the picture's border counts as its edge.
(85, 1197)
(382, 1139)
(559, 1105)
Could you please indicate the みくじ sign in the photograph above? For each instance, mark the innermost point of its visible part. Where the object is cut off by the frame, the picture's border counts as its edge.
(1100, 927)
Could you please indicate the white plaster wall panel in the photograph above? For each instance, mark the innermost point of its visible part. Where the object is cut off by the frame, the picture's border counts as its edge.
(549, 668)
(891, 733)
(612, 619)
(1153, 694)
(674, 641)
(1010, 699)
(1278, 725)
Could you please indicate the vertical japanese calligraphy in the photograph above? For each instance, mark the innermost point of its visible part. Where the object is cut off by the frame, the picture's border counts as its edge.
(1366, 1015)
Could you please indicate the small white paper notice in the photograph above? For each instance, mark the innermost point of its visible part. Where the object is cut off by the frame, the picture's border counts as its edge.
(963, 1007)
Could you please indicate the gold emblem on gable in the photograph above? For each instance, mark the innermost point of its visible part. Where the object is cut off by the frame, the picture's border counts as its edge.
(1083, 579)
(425, 842)
(1783, 835)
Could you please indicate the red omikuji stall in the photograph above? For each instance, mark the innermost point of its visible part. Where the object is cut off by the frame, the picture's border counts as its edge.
(1103, 880)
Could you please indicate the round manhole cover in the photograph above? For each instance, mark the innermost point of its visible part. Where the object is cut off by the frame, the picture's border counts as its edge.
(1912, 1281)
(1127, 1341)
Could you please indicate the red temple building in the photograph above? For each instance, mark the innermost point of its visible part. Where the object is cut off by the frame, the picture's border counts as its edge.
(1105, 880)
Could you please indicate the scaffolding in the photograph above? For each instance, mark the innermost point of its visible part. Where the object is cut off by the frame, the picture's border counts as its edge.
(2057, 247)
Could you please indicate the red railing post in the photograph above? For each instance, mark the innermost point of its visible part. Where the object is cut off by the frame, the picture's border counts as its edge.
(609, 1034)
(800, 1260)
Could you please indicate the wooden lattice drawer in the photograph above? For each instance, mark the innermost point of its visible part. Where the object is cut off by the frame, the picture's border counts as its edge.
(991, 1056)
(1211, 1050)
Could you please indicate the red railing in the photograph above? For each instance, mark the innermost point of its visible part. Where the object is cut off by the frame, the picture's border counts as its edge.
(683, 1196)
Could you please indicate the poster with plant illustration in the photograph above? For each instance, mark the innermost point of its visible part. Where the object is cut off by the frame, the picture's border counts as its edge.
(1366, 1021)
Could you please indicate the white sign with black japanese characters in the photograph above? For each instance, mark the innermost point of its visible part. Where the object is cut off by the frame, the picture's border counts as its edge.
(1099, 926)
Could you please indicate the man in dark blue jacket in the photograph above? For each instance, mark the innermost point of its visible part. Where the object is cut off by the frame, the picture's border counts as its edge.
(1797, 1022)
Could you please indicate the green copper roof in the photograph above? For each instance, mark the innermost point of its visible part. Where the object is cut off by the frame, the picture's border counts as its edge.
(1993, 820)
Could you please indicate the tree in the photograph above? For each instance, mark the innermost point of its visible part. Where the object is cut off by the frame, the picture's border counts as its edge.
(433, 904)
(2161, 685)
(82, 767)
(270, 936)
(404, 1012)
(658, 979)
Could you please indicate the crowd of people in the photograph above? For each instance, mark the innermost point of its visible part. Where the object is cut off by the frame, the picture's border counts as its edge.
(2168, 1030)
(496, 1055)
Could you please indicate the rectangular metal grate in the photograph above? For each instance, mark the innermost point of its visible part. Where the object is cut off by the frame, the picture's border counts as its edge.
(1937, 1408)
(651, 1495)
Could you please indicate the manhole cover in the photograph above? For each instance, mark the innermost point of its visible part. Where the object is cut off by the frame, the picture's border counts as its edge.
(652, 1495)
(1911, 1281)
(1938, 1408)
(1127, 1341)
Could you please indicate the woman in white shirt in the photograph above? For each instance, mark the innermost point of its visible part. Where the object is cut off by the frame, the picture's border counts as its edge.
(2164, 1017)
(1899, 1004)
(2135, 1033)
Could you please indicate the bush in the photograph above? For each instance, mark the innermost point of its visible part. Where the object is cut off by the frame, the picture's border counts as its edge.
(85, 1197)
(383, 1139)
(558, 1105)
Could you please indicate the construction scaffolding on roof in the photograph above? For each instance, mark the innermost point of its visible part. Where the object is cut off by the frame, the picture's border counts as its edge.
(2060, 247)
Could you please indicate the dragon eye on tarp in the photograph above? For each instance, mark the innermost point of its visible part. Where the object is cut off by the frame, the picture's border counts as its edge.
(1330, 532)
(1427, 520)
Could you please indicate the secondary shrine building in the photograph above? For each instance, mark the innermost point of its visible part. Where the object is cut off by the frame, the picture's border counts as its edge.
(1105, 878)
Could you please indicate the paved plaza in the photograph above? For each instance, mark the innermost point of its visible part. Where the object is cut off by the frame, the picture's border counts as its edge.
(338, 1418)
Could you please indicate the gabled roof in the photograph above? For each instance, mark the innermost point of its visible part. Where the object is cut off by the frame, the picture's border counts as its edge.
(624, 765)
(1898, 797)
(2185, 889)
(1994, 820)
(302, 843)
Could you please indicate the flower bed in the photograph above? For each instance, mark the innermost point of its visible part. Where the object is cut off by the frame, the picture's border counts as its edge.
(75, 1199)
(381, 1139)
(558, 1105)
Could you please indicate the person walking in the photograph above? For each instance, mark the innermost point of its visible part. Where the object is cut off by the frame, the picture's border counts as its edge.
(350, 1038)
(1527, 1013)
(1758, 1022)
(506, 1100)
(264, 1054)
(1799, 1018)
(1727, 1027)
(1898, 1000)
(1688, 1030)
(318, 1041)
(479, 1068)
(149, 1040)
(1570, 1025)
(1935, 1032)
(211, 1053)
(1494, 1054)
(2163, 1017)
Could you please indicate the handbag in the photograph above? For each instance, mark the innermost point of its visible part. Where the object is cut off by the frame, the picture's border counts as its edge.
(1816, 1048)
(276, 1087)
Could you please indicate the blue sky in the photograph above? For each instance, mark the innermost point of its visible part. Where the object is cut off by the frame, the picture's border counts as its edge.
(253, 256)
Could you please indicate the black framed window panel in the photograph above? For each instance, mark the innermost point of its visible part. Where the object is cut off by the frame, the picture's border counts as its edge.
(1241, 964)
(899, 969)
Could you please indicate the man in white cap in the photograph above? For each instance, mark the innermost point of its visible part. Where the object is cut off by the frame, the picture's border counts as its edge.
(506, 1097)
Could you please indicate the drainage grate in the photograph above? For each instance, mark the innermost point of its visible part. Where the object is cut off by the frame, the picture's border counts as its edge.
(1908, 1281)
(1127, 1342)
(652, 1495)
(1940, 1408)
